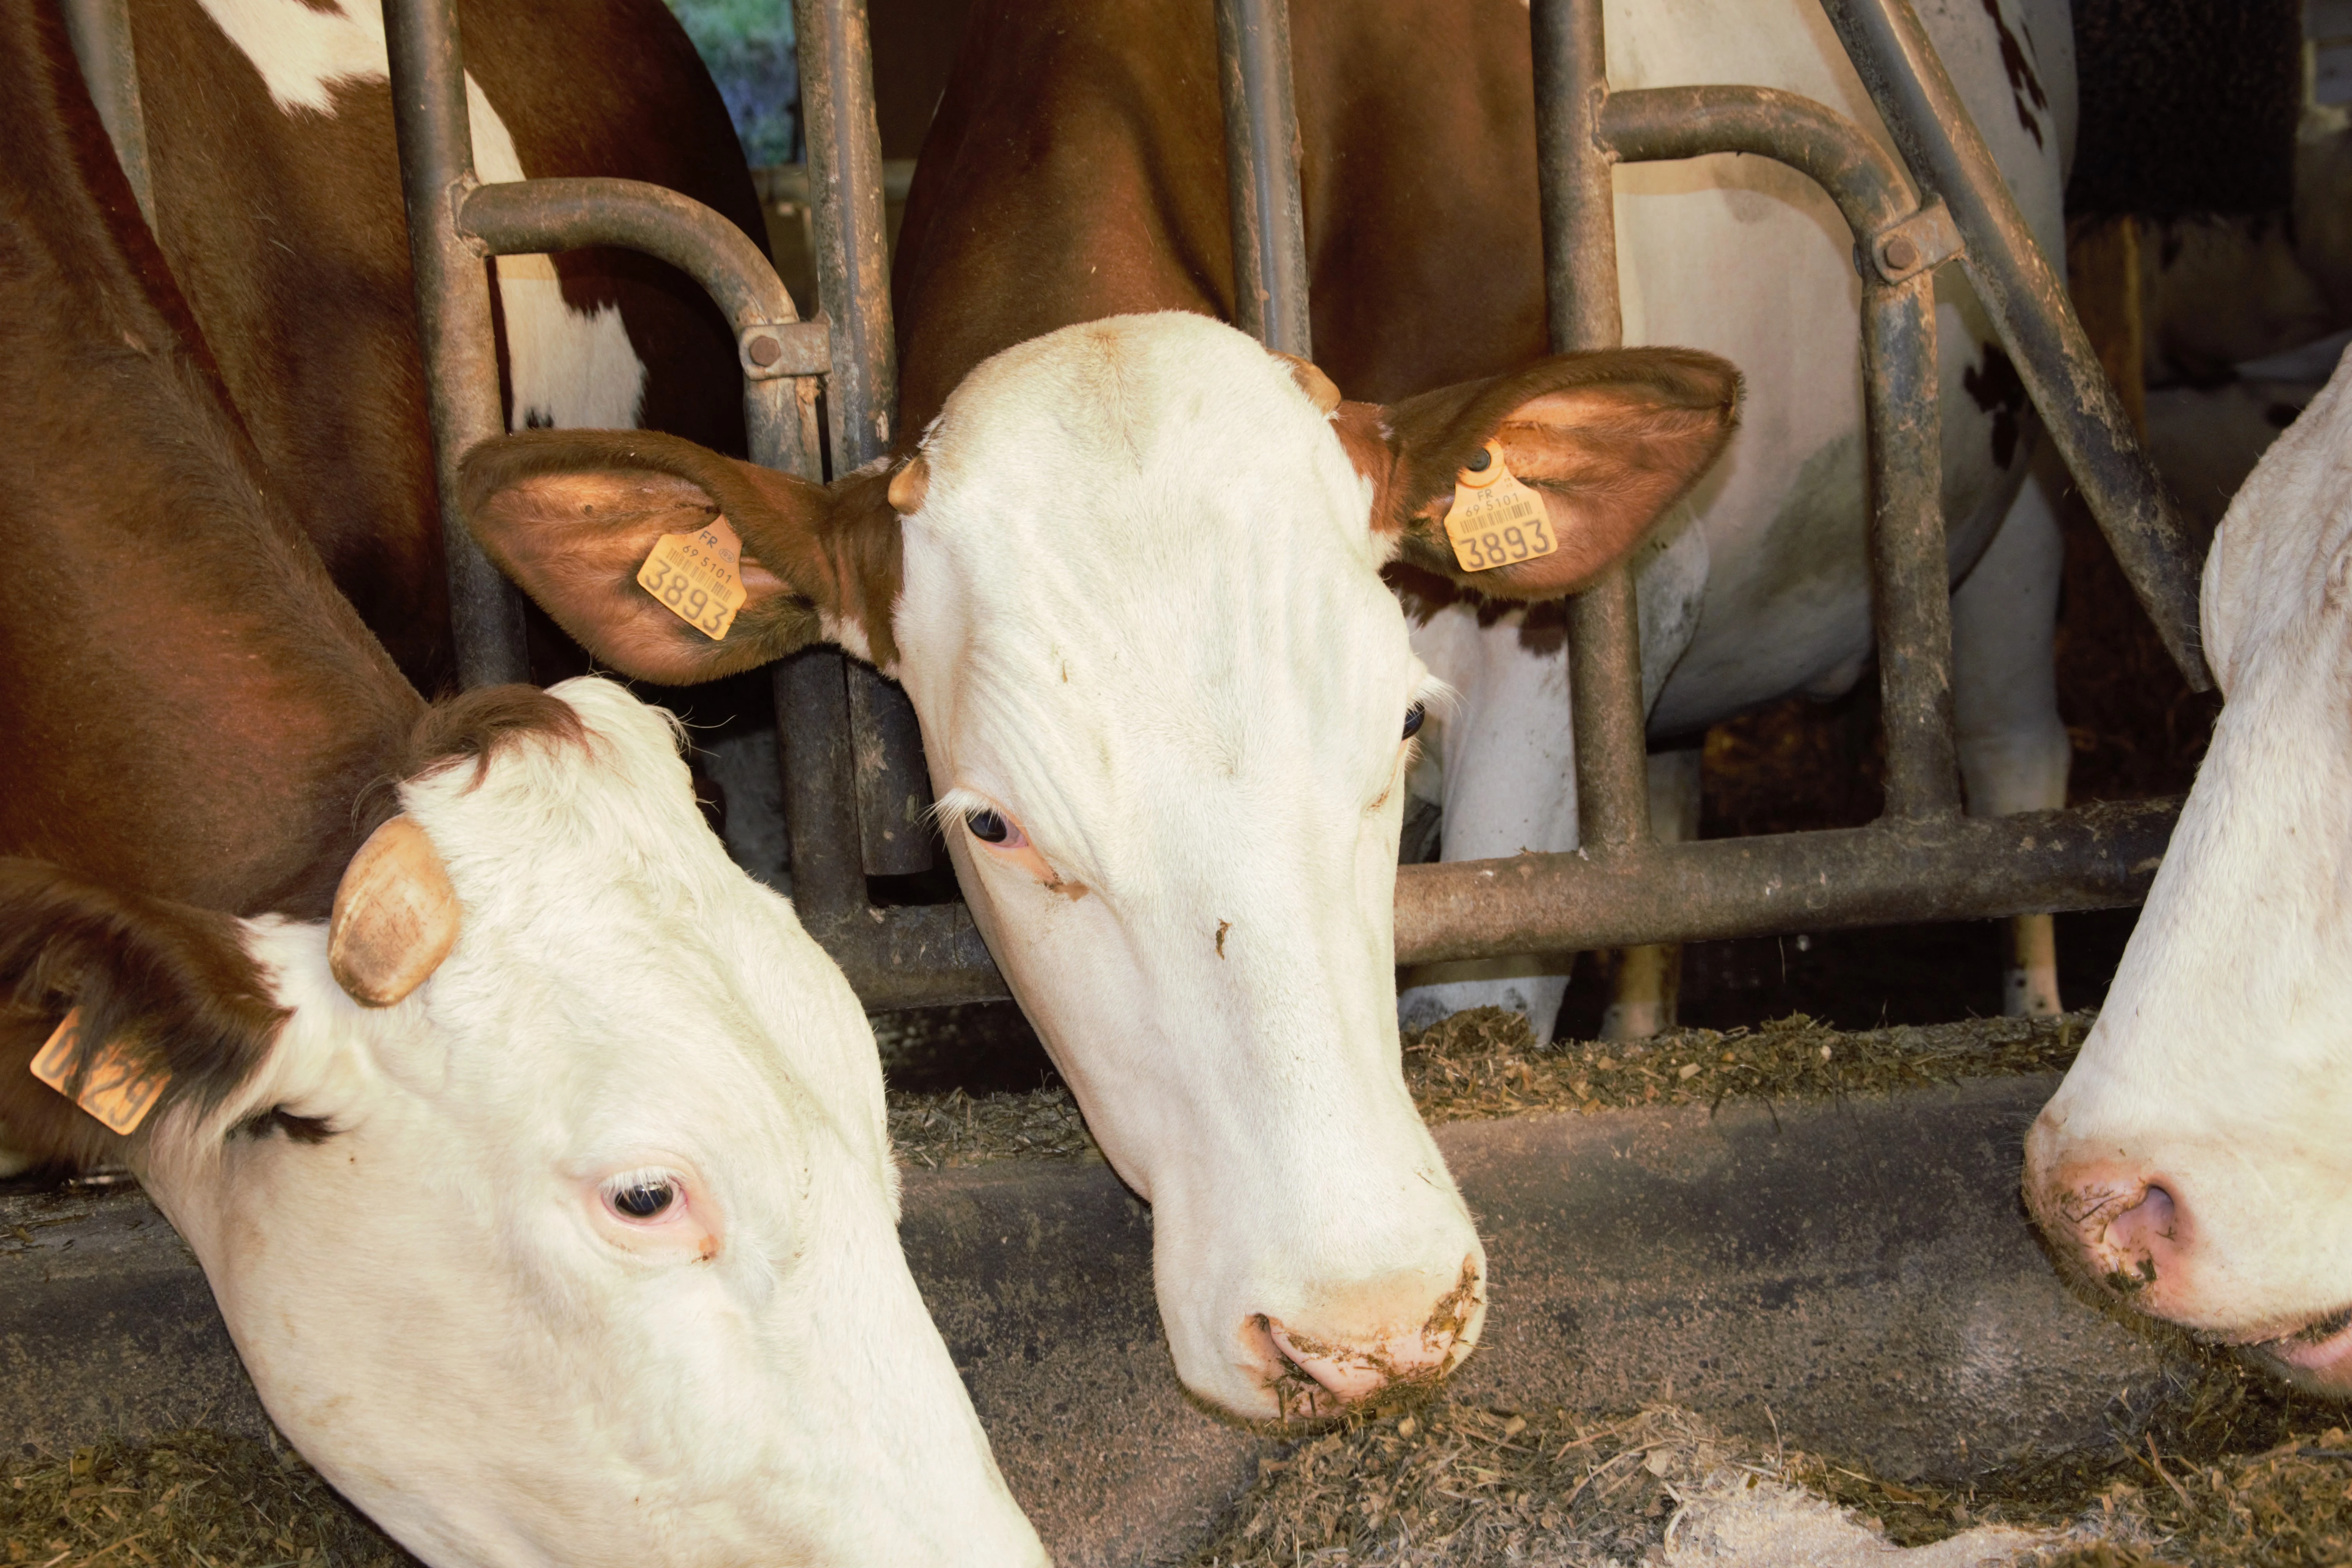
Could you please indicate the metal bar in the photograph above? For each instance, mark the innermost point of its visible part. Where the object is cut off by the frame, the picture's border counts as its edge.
(1941, 868)
(852, 267)
(100, 31)
(1580, 220)
(1911, 574)
(1653, 124)
(1269, 223)
(453, 318)
(781, 355)
(819, 811)
(2029, 309)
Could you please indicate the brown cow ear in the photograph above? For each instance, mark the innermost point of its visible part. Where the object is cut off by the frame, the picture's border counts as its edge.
(572, 515)
(1608, 440)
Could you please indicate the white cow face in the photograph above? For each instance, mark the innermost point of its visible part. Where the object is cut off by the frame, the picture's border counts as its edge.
(585, 1252)
(2194, 1164)
(1131, 582)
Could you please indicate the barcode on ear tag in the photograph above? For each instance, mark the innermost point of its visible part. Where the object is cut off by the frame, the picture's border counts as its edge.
(698, 576)
(119, 1088)
(1496, 520)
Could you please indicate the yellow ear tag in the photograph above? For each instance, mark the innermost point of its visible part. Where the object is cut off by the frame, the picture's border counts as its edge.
(1496, 520)
(698, 577)
(119, 1089)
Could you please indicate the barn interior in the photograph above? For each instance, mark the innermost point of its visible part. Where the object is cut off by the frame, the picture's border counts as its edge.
(1770, 1246)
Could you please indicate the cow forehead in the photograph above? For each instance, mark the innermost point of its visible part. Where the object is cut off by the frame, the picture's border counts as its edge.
(1145, 513)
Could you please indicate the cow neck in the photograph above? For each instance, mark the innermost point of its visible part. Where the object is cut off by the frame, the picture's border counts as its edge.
(193, 711)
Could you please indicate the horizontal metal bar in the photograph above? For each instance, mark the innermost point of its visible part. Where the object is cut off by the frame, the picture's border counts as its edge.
(787, 185)
(911, 956)
(2031, 313)
(1890, 873)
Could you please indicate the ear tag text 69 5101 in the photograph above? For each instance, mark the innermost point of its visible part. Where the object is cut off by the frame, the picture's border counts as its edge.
(698, 576)
(119, 1088)
(1496, 520)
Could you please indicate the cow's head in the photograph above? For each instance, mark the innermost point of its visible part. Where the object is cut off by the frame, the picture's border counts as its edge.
(1132, 583)
(546, 1191)
(2195, 1166)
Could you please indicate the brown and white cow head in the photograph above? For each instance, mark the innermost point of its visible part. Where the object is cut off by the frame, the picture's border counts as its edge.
(546, 1190)
(2194, 1167)
(1132, 583)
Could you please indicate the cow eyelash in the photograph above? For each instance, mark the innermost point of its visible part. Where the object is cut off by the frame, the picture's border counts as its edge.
(297, 1128)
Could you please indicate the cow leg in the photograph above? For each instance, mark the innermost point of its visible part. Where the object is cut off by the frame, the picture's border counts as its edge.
(1649, 978)
(2013, 749)
(1507, 783)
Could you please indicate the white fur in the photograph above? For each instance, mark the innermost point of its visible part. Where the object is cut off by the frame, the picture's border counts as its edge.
(1142, 615)
(572, 368)
(429, 1301)
(1747, 260)
(2220, 1067)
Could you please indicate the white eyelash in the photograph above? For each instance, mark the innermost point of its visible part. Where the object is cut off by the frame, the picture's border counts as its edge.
(959, 804)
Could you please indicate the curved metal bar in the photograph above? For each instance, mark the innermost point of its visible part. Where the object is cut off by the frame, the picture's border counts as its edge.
(781, 354)
(2031, 310)
(1656, 123)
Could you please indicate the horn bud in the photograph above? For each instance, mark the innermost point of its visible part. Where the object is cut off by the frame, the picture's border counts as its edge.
(1318, 387)
(395, 916)
(908, 486)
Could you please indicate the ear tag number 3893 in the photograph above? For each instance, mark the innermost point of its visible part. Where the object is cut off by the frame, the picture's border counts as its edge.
(1496, 520)
(698, 576)
(119, 1088)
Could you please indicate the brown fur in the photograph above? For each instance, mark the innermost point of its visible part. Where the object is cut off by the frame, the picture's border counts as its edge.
(287, 237)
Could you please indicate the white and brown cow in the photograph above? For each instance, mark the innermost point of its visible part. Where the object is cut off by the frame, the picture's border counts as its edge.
(2194, 1167)
(536, 1156)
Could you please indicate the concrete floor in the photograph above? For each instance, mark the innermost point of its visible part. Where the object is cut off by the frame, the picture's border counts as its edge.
(1856, 1273)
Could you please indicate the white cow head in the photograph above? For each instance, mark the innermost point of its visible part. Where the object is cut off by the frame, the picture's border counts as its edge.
(2195, 1164)
(583, 1251)
(1132, 582)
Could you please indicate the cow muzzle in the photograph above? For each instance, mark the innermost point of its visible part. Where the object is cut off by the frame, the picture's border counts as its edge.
(1378, 1341)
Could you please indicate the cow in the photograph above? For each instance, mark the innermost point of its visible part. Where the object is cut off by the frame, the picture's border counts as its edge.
(277, 206)
(2191, 1168)
(1076, 169)
(536, 1156)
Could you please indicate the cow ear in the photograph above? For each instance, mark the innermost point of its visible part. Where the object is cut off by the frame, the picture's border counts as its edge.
(164, 994)
(1608, 441)
(572, 515)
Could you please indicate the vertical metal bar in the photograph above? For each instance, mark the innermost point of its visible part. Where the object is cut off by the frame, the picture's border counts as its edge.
(1910, 571)
(1580, 219)
(2028, 303)
(820, 812)
(879, 750)
(453, 314)
(1269, 223)
(100, 31)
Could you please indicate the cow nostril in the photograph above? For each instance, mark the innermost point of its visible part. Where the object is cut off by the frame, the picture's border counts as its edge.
(2151, 1220)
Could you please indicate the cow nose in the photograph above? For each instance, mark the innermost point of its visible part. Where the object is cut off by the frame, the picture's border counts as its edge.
(2128, 1232)
(1346, 1363)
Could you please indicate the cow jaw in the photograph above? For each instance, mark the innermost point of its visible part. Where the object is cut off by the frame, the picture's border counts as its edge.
(442, 1304)
(1142, 618)
(2220, 1073)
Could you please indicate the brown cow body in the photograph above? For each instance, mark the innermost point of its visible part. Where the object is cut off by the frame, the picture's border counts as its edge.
(284, 227)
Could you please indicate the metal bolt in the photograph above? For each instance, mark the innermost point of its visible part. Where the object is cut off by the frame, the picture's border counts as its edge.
(765, 350)
(1901, 255)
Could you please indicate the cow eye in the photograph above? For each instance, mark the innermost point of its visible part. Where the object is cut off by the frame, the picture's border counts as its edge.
(642, 1197)
(989, 827)
(1412, 718)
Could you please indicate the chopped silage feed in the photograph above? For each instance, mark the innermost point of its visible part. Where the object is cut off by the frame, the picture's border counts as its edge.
(2224, 1470)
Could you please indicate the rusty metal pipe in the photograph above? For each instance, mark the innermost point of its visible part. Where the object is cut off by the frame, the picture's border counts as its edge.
(1655, 124)
(2030, 312)
(453, 318)
(1941, 869)
(1269, 223)
(1580, 220)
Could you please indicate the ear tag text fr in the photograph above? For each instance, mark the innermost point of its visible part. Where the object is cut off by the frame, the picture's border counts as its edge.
(119, 1089)
(698, 576)
(1496, 520)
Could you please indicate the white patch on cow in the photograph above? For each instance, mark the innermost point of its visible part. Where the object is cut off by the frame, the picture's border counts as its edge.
(572, 369)
(440, 1305)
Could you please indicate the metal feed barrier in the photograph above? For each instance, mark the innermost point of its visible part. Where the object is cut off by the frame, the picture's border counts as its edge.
(854, 781)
